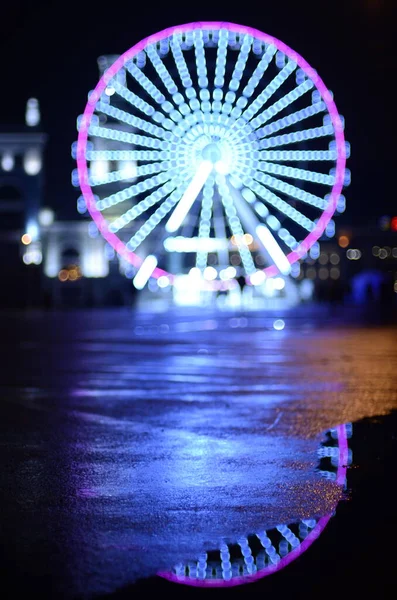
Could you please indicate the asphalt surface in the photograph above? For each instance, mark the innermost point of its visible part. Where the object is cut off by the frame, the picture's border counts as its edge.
(133, 441)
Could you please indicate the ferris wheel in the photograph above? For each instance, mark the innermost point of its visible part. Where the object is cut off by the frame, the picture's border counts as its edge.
(256, 556)
(214, 143)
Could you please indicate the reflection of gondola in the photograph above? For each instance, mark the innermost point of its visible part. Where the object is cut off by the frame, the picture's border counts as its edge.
(267, 551)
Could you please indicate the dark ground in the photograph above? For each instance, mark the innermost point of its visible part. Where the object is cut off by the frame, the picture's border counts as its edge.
(131, 441)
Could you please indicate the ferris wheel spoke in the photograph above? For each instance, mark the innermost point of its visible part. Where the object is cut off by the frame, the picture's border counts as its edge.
(221, 54)
(299, 155)
(260, 231)
(201, 64)
(145, 82)
(240, 65)
(127, 138)
(128, 155)
(128, 119)
(152, 222)
(180, 61)
(259, 71)
(281, 205)
(282, 103)
(127, 173)
(235, 225)
(269, 90)
(296, 136)
(295, 173)
(292, 190)
(205, 221)
(271, 221)
(142, 206)
(133, 190)
(189, 196)
(161, 69)
(291, 119)
(132, 98)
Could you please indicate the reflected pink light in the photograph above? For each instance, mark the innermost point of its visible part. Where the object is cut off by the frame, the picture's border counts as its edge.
(307, 542)
(100, 221)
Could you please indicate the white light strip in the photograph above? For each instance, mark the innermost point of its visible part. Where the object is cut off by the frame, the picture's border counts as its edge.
(273, 249)
(145, 271)
(188, 198)
(195, 244)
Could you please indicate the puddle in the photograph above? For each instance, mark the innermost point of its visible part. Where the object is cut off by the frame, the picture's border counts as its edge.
(257, 555)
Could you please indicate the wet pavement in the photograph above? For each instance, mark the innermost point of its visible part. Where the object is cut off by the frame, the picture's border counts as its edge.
(134, 443)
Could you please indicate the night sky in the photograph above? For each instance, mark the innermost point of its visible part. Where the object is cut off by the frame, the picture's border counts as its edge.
(50, 50)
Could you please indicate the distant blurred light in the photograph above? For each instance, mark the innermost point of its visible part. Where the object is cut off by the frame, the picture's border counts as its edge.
(334, 273)
(395, 286)
(334, 259)
(210, 273)
(323, 273)
(228, 273)
(323, 259)
(279, 283)
(354, 254)
(32, 114)
(382, 253)
(343, 241)
(394, 252)
(109, 90)
(375, 250)
(311, 273)
(46, 217)
(393, 224)
(306, 289)
(32, 229)
(278, 324)
(257, 278)
(128, 170)
(32, 162)
(384, 223)
(248, 239)
(163, 281)
(99, 168)
(63, 275)
(7, 161)
(26, 239)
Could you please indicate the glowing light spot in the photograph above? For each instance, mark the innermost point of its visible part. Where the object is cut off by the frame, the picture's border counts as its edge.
(26, 239)
(210, 273)
(63, 275)
(343, 241)
(278, 324)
